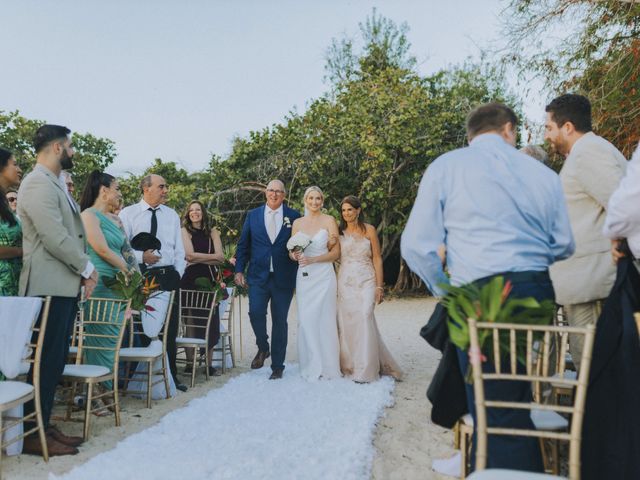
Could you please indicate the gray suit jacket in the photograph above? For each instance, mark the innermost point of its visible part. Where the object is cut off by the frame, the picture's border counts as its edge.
(590, 174)
(53, 238)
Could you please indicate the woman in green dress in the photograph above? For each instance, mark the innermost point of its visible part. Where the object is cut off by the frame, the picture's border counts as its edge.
(108, 250)
(10, 230)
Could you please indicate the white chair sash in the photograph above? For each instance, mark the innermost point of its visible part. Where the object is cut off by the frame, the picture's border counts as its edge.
(152, 323)
(17, 314)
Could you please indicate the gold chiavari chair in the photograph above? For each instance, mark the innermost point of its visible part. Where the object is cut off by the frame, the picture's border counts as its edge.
(196, 313)
(13, 393)
(523, 345)
(226, 337)
(73, 347)
(97, 315)
(147, 355)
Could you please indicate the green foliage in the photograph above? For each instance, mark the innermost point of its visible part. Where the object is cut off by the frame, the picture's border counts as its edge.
(584, 46)
(492, 303)
(92, 153)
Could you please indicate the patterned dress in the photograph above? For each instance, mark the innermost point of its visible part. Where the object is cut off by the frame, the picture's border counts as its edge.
(10, 236)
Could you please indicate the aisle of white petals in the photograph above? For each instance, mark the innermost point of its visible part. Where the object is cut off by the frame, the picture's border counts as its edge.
(256, 428)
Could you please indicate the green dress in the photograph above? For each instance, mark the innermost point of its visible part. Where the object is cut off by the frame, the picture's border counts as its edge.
(10, 236)
(116, 241)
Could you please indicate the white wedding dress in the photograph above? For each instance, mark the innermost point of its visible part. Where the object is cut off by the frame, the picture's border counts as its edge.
(318, 345)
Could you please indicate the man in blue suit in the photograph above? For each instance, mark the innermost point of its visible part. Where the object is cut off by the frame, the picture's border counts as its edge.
(271, 275)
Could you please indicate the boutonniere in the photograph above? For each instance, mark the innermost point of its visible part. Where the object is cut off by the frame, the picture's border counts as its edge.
(286, 222)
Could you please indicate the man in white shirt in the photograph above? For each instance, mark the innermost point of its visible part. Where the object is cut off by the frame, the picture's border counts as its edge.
(623, 212)
(591, 172)
(167, 265)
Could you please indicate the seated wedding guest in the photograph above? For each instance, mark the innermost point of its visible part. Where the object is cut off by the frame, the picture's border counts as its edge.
(107, 248)
(363, 354)
(10, 230)
(591, 172)
(55, 263)
(203, 249)
(537, 152)
(68, 181)
(12, 199)
(168, 264)
(623, 212)
(498, 212)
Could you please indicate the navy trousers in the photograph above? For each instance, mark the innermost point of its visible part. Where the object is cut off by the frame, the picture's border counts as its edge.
(55, 350)
(516, 453)
(280, 298)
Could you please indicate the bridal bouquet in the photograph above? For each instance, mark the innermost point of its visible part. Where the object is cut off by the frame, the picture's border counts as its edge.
(298, 243)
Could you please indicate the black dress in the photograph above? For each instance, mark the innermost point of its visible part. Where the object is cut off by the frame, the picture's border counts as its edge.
(202, 243)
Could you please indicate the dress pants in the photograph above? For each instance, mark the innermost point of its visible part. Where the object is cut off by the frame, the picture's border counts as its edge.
(511, 452)
(280, 298)
(581, 315)
(55, 349)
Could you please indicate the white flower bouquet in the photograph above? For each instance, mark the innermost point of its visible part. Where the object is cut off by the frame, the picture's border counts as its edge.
(298, 243)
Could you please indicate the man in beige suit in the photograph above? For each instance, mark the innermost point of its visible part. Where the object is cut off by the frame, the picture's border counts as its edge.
(591, 173)
(55, 263)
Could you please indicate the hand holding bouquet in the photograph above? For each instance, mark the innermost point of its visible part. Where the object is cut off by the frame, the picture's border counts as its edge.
(297, 244)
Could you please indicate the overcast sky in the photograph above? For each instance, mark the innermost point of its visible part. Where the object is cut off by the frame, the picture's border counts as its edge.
(179, 79)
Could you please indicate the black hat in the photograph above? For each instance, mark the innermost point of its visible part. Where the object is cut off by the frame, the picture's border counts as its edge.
(145, 241)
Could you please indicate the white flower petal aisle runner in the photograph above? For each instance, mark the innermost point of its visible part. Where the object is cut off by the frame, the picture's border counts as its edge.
(253, 427)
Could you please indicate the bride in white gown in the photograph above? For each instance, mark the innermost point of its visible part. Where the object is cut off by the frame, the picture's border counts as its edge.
(318, 345)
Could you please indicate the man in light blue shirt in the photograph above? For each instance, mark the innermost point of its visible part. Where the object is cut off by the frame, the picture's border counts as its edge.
(497, 211)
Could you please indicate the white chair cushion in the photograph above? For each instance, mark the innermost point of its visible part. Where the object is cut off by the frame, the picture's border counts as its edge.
(197, 341)
(502, 474)
(568, 375)
(542, 419)
(85, 371)
(73, 349)
(140, 352)
(11, 391)
(548, 420)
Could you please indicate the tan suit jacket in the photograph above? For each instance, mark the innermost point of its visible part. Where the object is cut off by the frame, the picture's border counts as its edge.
(590, 174)
(53, 241)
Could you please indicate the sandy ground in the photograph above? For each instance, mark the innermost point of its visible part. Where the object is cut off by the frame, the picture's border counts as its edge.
(406, 441)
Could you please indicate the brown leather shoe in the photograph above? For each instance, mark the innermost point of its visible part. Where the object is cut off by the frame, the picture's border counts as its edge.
(31, 445)
(259, 359)
(60, 437)
(276, 375)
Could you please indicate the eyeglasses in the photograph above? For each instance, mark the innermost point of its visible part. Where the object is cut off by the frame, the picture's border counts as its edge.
(271, 190)
(12, 199)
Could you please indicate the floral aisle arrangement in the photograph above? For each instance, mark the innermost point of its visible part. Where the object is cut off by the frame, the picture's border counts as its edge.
(134, 286)
(224, 278)
(491, 303)
(298, 243)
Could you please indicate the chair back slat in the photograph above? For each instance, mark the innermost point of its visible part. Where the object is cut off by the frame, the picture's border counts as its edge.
(196, 311)
(539, 339)
(96, 314)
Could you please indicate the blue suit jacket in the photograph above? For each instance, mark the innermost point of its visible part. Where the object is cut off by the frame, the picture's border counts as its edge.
(256, 249)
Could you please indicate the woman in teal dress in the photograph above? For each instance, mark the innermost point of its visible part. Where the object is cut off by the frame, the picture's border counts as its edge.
(10, 230)
(108, 249)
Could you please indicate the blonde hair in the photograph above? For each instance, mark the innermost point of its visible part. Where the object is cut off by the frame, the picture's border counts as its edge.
(313, 188)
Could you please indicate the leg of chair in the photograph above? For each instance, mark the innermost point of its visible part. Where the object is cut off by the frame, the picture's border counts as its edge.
(70, 402)
(193, 367)
(87, 412)
(554, 456)
(127, 372)
(41, 432)
(206, 362)
(223, 339)
(165, 377)
(456, 436)
(149, 379)
(116, 400)
(464, 451)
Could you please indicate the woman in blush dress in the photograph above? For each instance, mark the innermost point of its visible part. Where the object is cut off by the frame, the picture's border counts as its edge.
(363, 354)
(318, 347)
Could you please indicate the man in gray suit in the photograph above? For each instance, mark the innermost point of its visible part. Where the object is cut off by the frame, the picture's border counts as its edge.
(591, 173)
(54, 263)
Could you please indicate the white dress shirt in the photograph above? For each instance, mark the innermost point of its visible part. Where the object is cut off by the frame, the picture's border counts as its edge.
(623, 212)
(137, 218)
